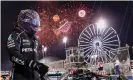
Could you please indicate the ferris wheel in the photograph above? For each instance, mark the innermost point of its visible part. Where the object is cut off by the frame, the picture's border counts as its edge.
(97, 45)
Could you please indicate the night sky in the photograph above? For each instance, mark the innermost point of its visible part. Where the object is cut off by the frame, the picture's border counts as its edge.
(113, 11)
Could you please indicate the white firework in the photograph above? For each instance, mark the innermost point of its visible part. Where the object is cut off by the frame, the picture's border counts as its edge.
(97, 43)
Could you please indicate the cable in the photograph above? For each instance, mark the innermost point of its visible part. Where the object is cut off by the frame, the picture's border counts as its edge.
(129, 25)
(123, 19)
(99, 8)
(93, 6)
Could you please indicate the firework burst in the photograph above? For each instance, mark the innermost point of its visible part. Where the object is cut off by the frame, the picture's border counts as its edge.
(58, 20)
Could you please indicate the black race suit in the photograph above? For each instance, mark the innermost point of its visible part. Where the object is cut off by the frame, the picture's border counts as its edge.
(22, 48)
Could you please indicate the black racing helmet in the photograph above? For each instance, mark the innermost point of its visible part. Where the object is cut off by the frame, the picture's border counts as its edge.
(29, 20)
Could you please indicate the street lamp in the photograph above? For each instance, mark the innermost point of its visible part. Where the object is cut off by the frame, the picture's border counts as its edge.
(65, 41)
(44, 49)
(101, 24)
(94, 56)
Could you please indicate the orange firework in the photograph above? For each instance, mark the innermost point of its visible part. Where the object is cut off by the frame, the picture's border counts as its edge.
(56, 18)
(62, 19)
